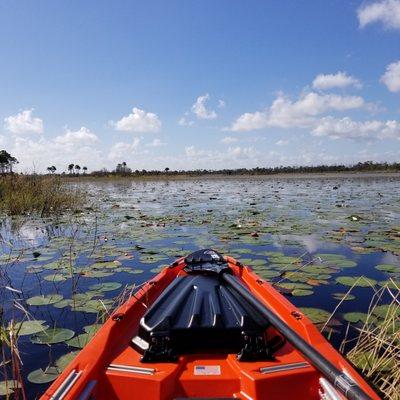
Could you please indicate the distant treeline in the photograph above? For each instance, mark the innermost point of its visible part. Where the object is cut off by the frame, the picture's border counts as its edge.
(7, 161)
(367, 166)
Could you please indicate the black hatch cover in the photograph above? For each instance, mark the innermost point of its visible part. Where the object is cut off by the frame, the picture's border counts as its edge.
(201, 313)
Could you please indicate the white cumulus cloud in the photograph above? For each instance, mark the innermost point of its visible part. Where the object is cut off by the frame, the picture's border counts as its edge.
(385, 11)
(286, 113)
(338, 80)
(250, 121)
(23, 122)
(282, 142)
(139, 121)
(82, 136)
(200, 110)
(350, 129)
(391, 78)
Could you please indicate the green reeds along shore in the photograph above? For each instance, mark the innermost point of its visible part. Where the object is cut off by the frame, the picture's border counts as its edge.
(375, 350)
(35, 194)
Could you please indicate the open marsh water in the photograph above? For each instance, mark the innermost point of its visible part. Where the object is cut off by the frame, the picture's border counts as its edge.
(313, 235)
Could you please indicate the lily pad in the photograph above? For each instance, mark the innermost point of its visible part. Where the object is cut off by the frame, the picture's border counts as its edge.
(80, 341)
(7, 387)
(92, 329)
(106, 286)
(49, 374)
(105, 264)
(295, 285)
(355, 317)
(65, 360)
(44, 300)
(41, 376)
(158, 269)
(388, 268)
(30, 327)
(390, 284)
(52, 335)
(343, 296)
(266, 274)
(55, 278)
(302, 292)
(369, 359)
(63, 303)
(92, 306)
(354, 280)
(97, 274)
(247, 261)
(387, 311)
(133, 271)
(316, 315)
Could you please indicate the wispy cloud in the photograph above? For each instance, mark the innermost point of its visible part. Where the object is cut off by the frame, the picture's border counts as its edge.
(120, 151)
(156, 143)
(229, 140)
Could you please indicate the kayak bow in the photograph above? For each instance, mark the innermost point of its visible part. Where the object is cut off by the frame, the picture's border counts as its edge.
(207, 327)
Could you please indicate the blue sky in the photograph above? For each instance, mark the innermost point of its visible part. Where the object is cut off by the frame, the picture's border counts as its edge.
(190, 84)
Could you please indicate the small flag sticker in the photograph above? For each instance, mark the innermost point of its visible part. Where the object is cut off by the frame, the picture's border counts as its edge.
(207, 370)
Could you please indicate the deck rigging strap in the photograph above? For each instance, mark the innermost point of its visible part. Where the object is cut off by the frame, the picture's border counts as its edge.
(336, 377)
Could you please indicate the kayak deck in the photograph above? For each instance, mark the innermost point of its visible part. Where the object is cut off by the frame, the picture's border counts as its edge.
(186, 334)
(212, 376)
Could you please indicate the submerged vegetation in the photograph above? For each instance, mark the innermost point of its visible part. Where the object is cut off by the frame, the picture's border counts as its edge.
(35, 194)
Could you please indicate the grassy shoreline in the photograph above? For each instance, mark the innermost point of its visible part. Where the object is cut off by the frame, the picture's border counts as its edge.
(36, 194)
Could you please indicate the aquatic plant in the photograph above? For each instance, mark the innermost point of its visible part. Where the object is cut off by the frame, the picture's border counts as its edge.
(11, 382)
(35, 194)
(375, 349)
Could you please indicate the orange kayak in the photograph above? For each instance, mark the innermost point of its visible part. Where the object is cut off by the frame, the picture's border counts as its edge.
(207, 327)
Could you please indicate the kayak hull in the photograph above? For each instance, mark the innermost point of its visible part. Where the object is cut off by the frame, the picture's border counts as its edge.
(111, 366)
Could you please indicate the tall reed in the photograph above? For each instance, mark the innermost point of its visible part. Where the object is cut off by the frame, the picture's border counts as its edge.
(35, 194)
(375, 350)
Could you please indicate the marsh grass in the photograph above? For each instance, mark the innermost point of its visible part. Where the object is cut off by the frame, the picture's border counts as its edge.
(35, 194)
(11, 363)
(375, 350)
